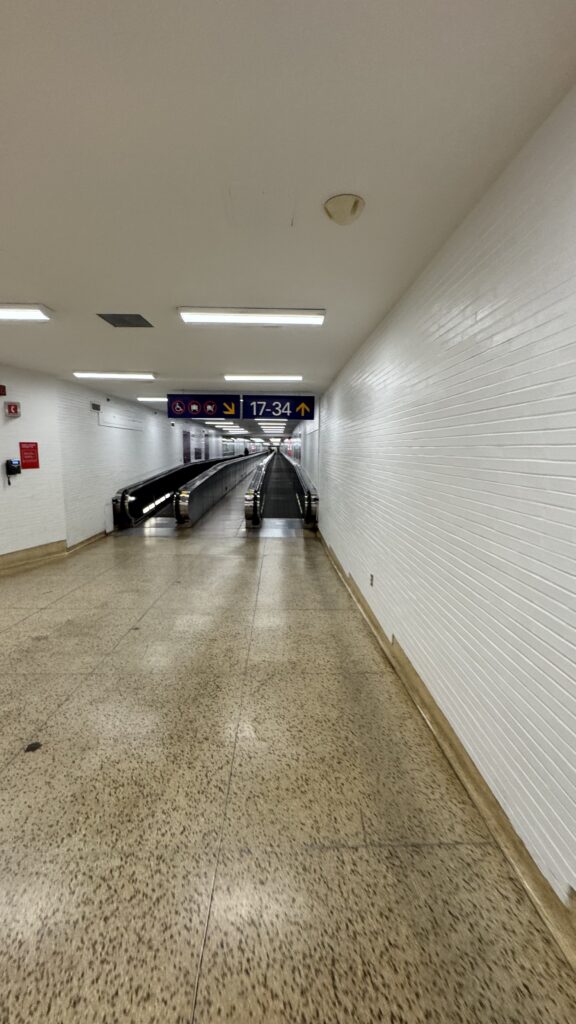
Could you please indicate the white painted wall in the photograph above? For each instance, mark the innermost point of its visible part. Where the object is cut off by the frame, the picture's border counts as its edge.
(83, 462)
(32, 508)
(305, 446)
(97, 460)
(454, 427)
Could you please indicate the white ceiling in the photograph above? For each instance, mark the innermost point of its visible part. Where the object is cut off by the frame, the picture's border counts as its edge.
(157, 153)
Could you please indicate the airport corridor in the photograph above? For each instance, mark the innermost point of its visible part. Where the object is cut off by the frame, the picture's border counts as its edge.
(236, 812)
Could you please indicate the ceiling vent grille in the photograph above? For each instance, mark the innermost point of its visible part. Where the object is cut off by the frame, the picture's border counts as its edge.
(125, 319)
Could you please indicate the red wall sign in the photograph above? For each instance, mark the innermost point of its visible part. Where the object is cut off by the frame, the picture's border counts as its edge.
(12, 408)
(29, 457)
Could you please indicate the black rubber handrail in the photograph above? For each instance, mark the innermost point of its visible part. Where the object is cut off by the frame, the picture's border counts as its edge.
(135, 503)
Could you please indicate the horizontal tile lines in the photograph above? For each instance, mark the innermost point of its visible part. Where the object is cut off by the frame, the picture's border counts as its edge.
(516, 578)
(439, 567)
(486, 526)
(450, 566)
(422, 481)
(495, 383)
(518, 320)
(481, 501)
(496, 723)
(468, 354)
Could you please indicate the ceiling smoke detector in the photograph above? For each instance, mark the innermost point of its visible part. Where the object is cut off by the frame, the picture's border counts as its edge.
(345, 208)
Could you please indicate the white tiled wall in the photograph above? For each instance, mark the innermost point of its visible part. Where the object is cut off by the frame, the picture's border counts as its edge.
(448, 470)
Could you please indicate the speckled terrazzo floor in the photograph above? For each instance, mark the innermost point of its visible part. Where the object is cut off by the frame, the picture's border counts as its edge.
(236, 813)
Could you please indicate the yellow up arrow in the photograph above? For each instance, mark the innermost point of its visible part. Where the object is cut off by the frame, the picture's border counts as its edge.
(229, 408)
(302, 408)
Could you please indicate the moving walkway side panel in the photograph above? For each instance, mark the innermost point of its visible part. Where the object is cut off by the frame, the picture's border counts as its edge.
(199, 495)
(255, 496)
(139, 501)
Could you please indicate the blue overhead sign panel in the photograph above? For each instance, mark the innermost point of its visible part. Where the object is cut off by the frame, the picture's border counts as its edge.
(278, 407)
(200, 407)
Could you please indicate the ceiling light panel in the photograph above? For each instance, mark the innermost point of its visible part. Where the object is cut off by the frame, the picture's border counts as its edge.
(261, 376)
(37, 314)
(113, 376)
(255, 317)
(145, 399)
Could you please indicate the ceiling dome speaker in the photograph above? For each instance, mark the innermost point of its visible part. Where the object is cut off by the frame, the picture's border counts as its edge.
(344, 208)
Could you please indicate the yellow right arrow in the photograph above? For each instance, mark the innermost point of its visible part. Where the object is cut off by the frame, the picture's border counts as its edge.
(229, 408)
(302, 408)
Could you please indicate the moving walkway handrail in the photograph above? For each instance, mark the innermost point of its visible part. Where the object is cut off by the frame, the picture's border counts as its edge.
(195, 497)
(256, 494)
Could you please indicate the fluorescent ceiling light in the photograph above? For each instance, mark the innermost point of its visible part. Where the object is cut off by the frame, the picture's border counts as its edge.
(255, 317)
(151, 399)
(115, 376)
(261, 376)
(38, 313)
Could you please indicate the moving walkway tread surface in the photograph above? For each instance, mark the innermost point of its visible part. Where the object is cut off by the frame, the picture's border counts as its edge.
(281, 502)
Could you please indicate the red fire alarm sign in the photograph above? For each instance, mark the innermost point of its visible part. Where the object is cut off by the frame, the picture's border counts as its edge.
(29, 457)
(12, 408)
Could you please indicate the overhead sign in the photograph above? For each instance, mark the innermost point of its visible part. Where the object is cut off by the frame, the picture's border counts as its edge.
(29, 457)
(278, 407)
(200, 407)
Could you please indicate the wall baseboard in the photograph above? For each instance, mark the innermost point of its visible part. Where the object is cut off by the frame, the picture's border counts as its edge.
(84, 543)
(31, 558)
(558, 917)
(28, 558)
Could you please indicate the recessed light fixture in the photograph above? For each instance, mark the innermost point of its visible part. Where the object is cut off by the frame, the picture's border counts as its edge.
(255, 317)
(151, 399)
(17, 313)
(114, 376)
(261, 376)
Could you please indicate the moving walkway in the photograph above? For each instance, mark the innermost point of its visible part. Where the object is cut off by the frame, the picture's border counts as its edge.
(281, 489)
(134, 504)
